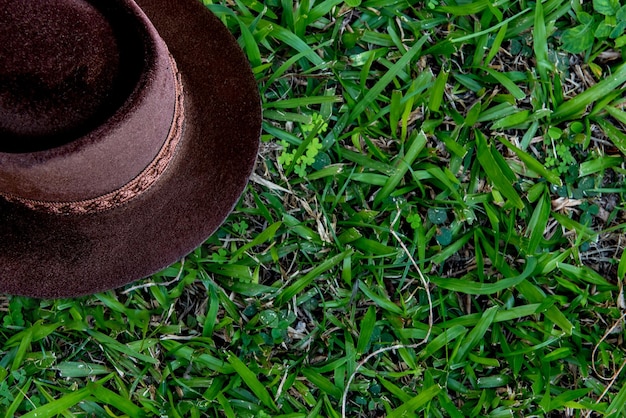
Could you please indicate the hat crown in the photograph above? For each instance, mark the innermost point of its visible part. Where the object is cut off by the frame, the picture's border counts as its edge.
(65, 67)
(96, 108)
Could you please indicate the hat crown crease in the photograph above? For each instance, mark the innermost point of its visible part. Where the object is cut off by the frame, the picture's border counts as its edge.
(129, 89)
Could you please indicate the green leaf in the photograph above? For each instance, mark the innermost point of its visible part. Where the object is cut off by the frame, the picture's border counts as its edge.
(382, 301)
(80, 369)
(603, 30)
(585, 274)
(403, 164)
(395, 111)
(10, 412)
(621, 267)
(507, 83)
(475, 335)
(187, 353)
(540, 43)
(599, 164)
(366, 330)
(478, 288)
(212, 311)
(537, 224)
(443, 340)
(466, 9)
(437, 216)
(616, 407)
(373, 93)
(250, 380)
(493, 171)
(559, 401)
(614, 134)
(249, 44)
(300, 102)
(409, 407)
(58, 406)
(606, 7)
(109, 397)
(263, 237)
(510, 121)
(437, 91)
(394, 390)
(322, 383)
(532, 164)
(27, 337)
(289, 38)
(495, 47)
(495, 381)
(571, 108)
(578, 39)
(620, 42)
(287, 294)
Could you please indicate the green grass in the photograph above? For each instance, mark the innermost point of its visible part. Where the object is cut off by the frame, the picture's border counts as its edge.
(457, 144)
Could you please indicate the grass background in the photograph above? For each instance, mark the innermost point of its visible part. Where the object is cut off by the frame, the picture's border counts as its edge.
(435, 227)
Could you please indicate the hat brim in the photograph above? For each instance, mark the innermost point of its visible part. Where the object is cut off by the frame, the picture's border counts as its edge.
(49, 256)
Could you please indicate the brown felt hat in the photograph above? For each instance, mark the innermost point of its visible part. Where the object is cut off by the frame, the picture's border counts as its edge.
(128, 131)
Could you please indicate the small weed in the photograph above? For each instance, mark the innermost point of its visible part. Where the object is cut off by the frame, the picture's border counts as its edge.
(607, 21)
(562, 158)
(564, 152)
(304, 156)
(220, 256)
(240, 227)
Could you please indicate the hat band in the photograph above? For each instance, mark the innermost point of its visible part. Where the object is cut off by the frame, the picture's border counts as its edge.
(142, 182)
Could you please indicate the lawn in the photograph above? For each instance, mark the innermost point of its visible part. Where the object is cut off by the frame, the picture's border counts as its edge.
(434, 228)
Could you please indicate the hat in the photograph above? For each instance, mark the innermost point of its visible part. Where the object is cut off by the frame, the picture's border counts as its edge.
(128, 131)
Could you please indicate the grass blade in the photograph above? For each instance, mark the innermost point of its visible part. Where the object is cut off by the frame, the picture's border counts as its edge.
(366, 330)
(60, 405)
(12, 409)
(438, 90)
(286, 295)
(507, 83)
(373, 93)
(493, 171)
(264, 236)
(479, 288)
(300, 102)
(402, 166)
(187, 353)
(24, 346)
(599, 164)
(475, 335)
(540, 44)
(381, 301)
(615, 135)
(250, 379)
(572, 108)
(322, 383)
(537, 224)
(510, 121)
(533, 164)
(80, 369)
(415, 403)
(442, 340)
(109, 397)
(616, 407)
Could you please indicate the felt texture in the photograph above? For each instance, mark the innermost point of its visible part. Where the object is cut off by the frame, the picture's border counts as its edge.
(48, 255)
(117, 150)
(66, 66)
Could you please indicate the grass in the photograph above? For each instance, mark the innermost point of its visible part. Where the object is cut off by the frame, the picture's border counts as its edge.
(435, 227)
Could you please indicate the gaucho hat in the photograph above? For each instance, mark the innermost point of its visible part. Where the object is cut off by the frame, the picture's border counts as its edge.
(128, 131)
